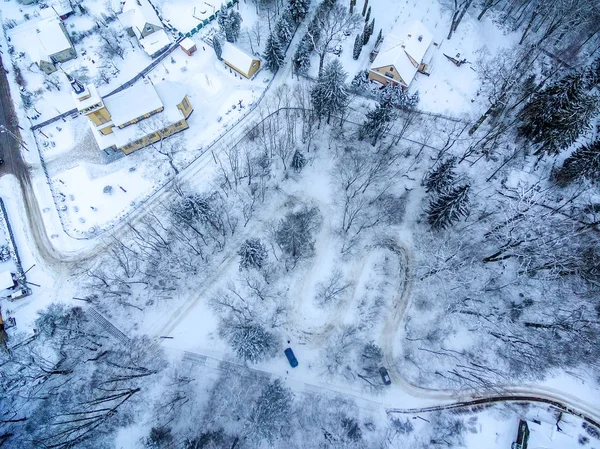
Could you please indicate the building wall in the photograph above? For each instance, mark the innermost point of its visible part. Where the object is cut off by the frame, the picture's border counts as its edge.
(64, 55)
(253, 68)
(135, 120)
(47, 67)
(155, 136)
(149, 29)
(68, 53)
(99, 116)
(185, 107)
(378, 75)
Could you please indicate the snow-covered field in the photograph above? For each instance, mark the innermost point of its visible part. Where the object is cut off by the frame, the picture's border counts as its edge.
(346, 271)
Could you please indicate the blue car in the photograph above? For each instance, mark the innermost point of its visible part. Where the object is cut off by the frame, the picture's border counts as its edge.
(291, 357)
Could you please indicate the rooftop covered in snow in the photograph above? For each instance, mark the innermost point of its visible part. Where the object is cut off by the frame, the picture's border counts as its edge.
(404, 47)
(133, 102)
(136, 14)
(155, 42)
(237, 57)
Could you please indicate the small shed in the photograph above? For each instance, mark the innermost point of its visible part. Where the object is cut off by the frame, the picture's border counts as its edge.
(239, 61)
(188, 46)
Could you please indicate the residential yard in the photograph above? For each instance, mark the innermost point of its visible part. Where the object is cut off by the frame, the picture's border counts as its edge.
(449, 89)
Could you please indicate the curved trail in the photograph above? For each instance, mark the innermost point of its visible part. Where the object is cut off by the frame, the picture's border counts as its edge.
(446, 399)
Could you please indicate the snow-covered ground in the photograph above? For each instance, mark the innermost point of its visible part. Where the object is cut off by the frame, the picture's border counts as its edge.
(449, 89)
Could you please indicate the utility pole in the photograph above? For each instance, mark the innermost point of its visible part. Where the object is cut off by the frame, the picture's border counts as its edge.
(4, 129)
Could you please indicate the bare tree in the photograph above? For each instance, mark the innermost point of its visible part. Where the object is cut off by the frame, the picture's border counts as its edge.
(331, 22)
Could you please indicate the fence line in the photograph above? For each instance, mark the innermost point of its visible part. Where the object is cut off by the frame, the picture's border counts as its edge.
(159, 188)
(12, 246)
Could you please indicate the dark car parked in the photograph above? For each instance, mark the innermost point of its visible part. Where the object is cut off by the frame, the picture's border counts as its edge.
(385, 376)
(291, 357)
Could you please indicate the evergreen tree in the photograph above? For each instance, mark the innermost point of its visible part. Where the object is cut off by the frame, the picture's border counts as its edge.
(398, 97)
(360, 80)
(365, 7)
(371, 27)
(284, 29)
(253, 254)
(330, 94)
(449, 207)
(440, 178)
(298, 9)
(557, 115)
(229, 23)
(298, 161)
(352, 5)
(365, 34)
(217, 47)
(274, 53)
(358, 44)
(379, 120)
(368, 16)
(251, 342)
(379, 37)
(235, 23)
(584, 163)
(302, 55)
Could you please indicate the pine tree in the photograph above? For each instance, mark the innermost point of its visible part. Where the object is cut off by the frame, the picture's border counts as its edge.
(217, 47)
(253, 254)
(557, 115)
(584, 163)
(358, 44)
(440, 178)
(368, 16)
(449, 207)
(360, 80)
(379, 37)
(592, 74)
(378, 121)
(229, 23)
(371, 27)
(330, 94)
(235, 23)
(273, 53)
(298, 161)
(398, 97)
(352, 5)
(298, 9)
(365, 7)
(365, 34)
(302, 55)
(284, 29)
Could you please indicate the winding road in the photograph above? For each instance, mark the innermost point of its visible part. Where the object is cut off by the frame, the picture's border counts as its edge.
(65, 261)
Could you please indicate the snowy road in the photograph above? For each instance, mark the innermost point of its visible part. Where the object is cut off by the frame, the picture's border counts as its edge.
(63, 261)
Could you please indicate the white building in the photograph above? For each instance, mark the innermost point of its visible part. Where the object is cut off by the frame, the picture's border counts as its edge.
(47, 41)
(404, 52)
(140, 20)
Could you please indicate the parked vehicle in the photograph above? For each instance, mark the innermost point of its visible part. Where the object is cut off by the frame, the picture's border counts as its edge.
(291, 357)
(385, 376)
(20, 293)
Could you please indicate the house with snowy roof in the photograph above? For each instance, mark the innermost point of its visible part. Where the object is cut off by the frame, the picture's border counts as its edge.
(536, 433)
(140, 20)
(51, 44)
(239, 61)
(135, 117)
(404, 52)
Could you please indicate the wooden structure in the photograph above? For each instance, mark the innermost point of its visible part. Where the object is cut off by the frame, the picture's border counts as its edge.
(116, 120)
(239, 61)
(188, 46)
(403, 53)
